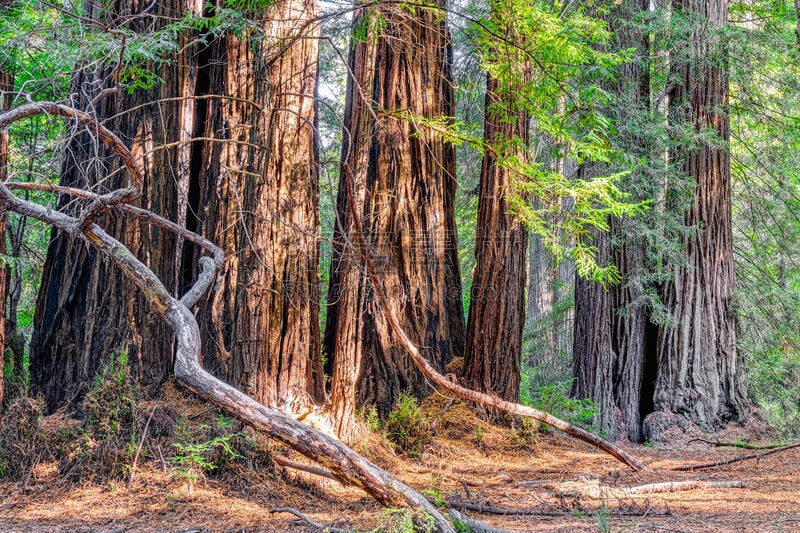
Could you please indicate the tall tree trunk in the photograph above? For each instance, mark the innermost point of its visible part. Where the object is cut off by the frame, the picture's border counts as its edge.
(700, 373)
(399, 177)
(264, 206)
(612, 332)
(247, 181)
(84, 311)
(6, 91)
(492, 359)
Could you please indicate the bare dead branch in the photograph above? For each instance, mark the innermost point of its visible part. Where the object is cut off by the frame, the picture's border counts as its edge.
(283, 461)
(309, 521)
(714, 464)
(488, 400)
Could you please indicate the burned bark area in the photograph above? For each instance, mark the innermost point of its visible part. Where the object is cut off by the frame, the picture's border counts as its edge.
(492, 359)
(701, 375)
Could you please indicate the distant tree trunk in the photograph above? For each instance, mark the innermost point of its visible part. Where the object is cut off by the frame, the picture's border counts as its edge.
(263, 207)
(492, 360)
(700, 374)
(399, 177)
(6, 90)
(612, 332)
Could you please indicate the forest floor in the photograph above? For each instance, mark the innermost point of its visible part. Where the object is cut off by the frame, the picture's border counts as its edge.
(564, 485)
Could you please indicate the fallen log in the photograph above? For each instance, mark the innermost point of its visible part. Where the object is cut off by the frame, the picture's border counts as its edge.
(678, 486)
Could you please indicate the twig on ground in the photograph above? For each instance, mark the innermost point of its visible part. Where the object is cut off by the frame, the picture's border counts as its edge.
(139, 449)
(309, 521)
(744, 445)
(759, 455)
(283, 461)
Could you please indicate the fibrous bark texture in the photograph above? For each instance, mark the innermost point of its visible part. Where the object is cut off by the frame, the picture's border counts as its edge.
(227, 141)
(492, 359)
(402, 183)
(84, 311)
(611, 323)
(700, 373)
(259, 197)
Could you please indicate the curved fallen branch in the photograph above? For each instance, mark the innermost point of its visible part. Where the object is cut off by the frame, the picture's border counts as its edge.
(488, 400)
(743, 445)
(713, 464)
(343, 462)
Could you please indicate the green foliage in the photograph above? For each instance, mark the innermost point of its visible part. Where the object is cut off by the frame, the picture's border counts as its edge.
(405, 521)
(194, 460)
(110, 404)
(407, 427)
(555, 399)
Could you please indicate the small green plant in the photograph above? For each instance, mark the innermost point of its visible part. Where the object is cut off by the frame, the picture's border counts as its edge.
(405, 521)
(370, 415)
(603, 519)
(407, 428)
(194, 460)
(480, 433)
(555, 399)
(526, 432)
(434, 494)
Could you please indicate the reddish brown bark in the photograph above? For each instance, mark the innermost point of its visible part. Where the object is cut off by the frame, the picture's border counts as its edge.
(700, 373)
(261, 200)
(248, 180)
(84, 311)
(492, 360)
(402, 177)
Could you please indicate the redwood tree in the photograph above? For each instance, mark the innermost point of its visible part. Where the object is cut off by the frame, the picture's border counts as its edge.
(259, 198)
(228, 147)
(688, 365)
(398, 179)
(492, 359)
(612, 331)
(700, 374)
(84, 311)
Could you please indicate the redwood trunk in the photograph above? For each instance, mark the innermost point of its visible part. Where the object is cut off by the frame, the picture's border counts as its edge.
(701, 375)
(492, 360)
(401, 178)
(252, 187)
(261, 202)
(613, 352)
(84, 311)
